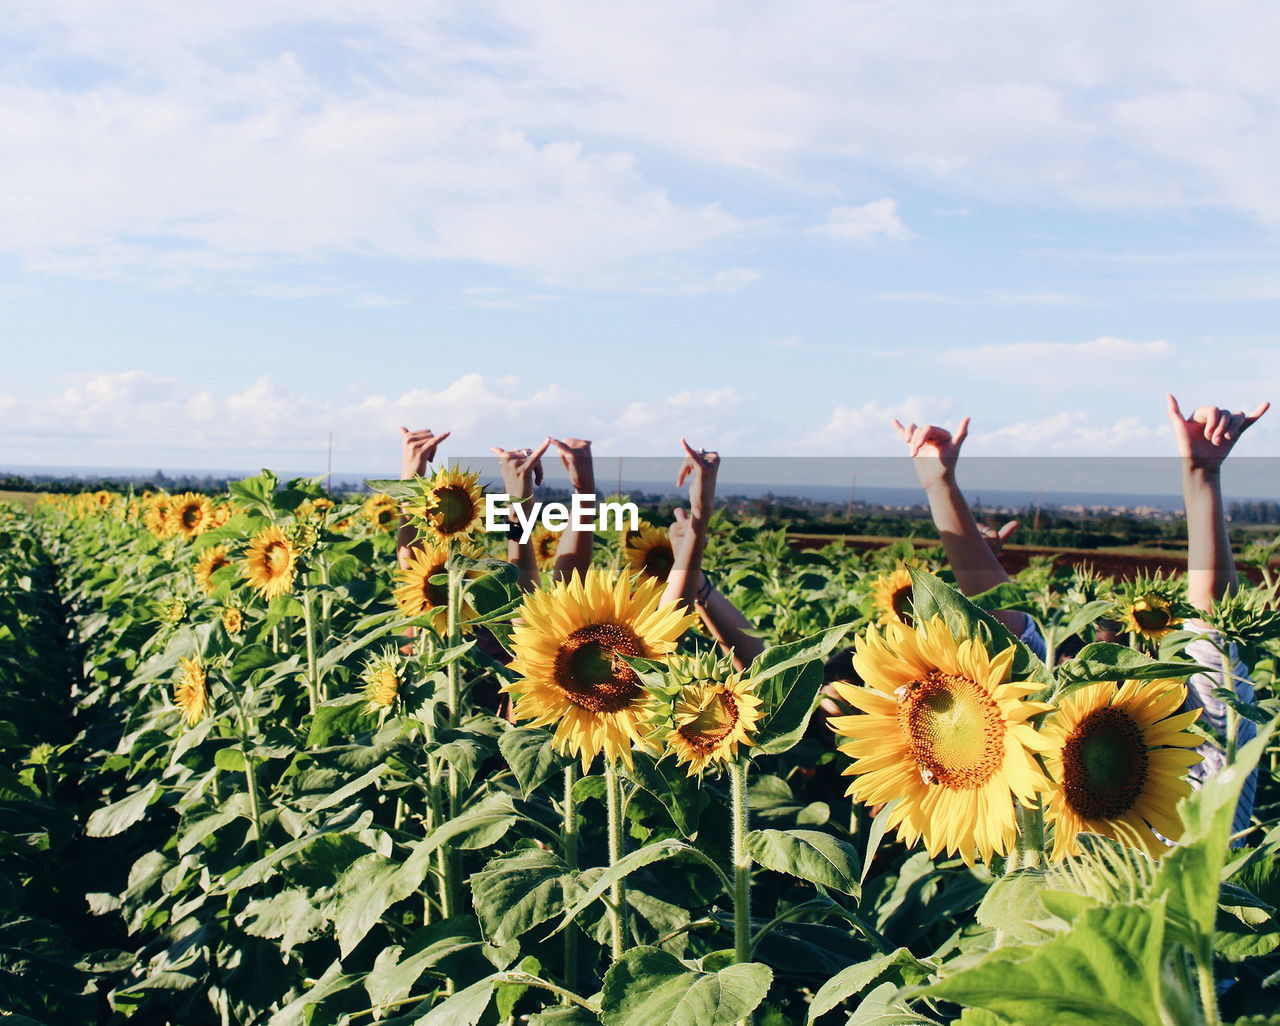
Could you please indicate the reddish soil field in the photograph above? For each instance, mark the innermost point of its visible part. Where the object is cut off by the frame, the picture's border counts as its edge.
(1121, 565)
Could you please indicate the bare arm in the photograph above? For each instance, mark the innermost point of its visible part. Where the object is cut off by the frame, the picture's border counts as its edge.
(687, 583)
(1204, 440)
(417, 450)
(573, 554)
(934, 452)
(521, 471)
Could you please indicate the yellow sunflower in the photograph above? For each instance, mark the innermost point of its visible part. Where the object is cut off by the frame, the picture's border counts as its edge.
(415, 594)
(382, 681)
(944, 731)
(270, 563)
(709, 714)
(891, 594)
(649, 552)
(220, 514)
(381, 511)
(158, 517)
(451, 506)
(192, 514)
(1150, 616)
(232, 619)
(546, 543)
(191, 692)
(1119, 758)
(569, 644)
(208, 563)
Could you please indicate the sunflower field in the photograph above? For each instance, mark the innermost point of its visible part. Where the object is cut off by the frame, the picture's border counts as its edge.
(256, 774)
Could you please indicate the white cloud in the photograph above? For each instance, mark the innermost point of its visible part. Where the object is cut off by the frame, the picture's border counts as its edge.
(1056, 365)
(878, 219)
(592, 146)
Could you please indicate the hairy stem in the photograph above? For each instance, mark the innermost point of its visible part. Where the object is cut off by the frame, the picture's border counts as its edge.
(618, 890)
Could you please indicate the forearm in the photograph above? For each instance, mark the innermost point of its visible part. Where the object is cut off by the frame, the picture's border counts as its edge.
(573, 553)
(976, 567)
(526, 561)
(406, 542)
(686, 571)
(1211, 569)
(724, 622)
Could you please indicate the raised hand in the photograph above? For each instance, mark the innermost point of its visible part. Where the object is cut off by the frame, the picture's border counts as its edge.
(996, 539)
(575, 454)
(417, 449)
(521, 469)
(934, 450)
(702, 466)
(1208, 435)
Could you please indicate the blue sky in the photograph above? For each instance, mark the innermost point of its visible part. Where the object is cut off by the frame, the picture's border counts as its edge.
(226, 232)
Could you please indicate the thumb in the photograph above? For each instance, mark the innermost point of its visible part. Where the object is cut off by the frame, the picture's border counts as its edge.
(404, 430)
(681, 514)
(1006, 530)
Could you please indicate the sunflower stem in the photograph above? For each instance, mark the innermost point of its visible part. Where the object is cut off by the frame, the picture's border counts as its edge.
(739, 814)
(617, 890)
(453, 675)
(569, 845)
(1208, 990)
(313, 677)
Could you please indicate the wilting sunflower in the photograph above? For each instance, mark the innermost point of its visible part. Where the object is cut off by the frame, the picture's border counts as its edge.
(944, 731)
(191, 514)
(210, 561)
(270, 563)
(891, 594)
(416, 595)
(451, 506)
(232, 619)
(1119, 758)
(705, 713)
(381, 679)
(381, 511)
(570, 642)
(222, 512)
(191, 692)
(649, 552)
(1151, 616)
(546, 543)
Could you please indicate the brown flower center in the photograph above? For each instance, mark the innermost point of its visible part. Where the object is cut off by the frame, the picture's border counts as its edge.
(658, 562)
(954, 729)
(591, 671)
(714, 723)
(191, 516)
(1104, 764)
(434, 595)
(453, 509)
(901, 602)
(1151, 618)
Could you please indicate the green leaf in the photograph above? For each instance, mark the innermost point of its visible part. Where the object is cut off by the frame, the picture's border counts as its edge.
(464, 1008)
(117, 818)
(564, 1015)
(1190, 874)
(626, 865)
(1006, 595)
(932, 597)
(289, 916)
(788, 679)
(230, 759)
(514, 893)
(900, 967)
(1106, 969)
(649, 986)
(1014, 905)
(1106, 661)
(374, 883)
(397, 969)
(679, 793)
(370, 886)
(809, 855)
